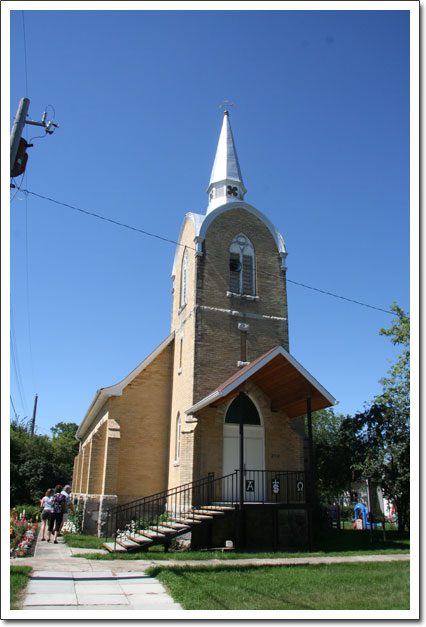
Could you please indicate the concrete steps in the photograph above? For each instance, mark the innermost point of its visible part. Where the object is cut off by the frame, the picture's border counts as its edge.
(166, 530)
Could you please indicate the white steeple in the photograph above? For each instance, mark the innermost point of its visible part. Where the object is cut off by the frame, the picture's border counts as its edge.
(226, 182)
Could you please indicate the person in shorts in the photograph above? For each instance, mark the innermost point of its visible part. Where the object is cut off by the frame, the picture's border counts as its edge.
(46, 506)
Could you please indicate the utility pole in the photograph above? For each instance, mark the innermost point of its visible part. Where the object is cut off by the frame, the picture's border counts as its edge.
(18, 127)
(34, 414)
(18, 145)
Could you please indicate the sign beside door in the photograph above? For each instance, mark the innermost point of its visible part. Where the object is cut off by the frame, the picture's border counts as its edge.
(275, 486)
(249, 485)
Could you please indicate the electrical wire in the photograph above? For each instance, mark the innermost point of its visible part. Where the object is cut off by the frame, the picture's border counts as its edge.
(18, 189)
(25, 56)
(95, 215)
(15, 362)
(27, 274)
(13, 407)
(351, 300)
(132, 228)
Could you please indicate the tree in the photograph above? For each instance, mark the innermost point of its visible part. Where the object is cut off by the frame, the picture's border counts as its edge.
(384, 434)
(373, 443)
(65, 448)
(333, 449)
(38, 462)
(383, 430)
(396, 386)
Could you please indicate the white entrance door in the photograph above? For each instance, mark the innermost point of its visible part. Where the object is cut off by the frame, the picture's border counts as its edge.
(254, 459)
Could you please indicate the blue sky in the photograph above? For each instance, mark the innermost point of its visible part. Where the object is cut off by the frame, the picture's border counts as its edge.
(321, 124)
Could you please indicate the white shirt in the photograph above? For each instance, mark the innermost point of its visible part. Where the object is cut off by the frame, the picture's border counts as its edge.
(47, 503)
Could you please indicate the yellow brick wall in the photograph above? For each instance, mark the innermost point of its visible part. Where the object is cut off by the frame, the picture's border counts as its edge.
(111, 458)
(142, 413)
(183, 324)
(85, 466)
(97, 458)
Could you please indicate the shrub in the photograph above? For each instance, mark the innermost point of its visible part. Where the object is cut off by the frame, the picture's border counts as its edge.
(76, 518)
(28, 511)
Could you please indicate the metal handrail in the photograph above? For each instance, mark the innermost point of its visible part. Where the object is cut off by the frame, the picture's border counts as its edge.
(179, 503)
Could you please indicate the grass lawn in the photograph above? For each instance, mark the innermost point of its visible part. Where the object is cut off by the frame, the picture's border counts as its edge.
(366, 586)
(19, 576)
(331, 542)
(83, 541)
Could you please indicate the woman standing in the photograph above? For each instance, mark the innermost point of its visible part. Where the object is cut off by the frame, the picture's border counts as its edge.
(46, 505)
(58, 508)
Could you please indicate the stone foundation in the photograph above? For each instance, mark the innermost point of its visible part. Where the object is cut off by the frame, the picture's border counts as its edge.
(95, 507)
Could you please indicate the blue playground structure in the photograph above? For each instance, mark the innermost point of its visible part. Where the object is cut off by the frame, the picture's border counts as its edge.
(361, 511)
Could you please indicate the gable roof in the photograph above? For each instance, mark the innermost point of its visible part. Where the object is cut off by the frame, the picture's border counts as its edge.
(281, 377)
(104, 394)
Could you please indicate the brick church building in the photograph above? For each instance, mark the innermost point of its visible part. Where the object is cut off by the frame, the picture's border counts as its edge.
(175, 418)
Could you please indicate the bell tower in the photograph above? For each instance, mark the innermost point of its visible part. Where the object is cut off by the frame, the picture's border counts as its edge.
(229, 292)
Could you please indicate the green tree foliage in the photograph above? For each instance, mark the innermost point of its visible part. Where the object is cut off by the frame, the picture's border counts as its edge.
(335, 445)
(375, 442)
(396, 385)
(384, 428)
(384, 454)
(38, 462)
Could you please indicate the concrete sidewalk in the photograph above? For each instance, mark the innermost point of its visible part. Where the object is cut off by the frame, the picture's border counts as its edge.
(61, 582)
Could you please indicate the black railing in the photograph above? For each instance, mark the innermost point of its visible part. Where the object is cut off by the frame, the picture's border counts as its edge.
(178, 504)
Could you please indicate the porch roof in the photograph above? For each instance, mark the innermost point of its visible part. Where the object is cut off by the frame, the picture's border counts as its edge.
(281, 378)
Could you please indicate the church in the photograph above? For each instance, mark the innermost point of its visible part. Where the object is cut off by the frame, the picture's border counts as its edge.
(221, 394)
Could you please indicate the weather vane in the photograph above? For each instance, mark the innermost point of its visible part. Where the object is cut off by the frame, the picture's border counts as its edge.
(226, 104)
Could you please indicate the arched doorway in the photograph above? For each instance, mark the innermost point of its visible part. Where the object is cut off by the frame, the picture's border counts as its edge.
(254, 446)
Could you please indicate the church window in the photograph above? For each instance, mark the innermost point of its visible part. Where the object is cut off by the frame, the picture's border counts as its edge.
(184, 279)
(180, 352)
(177, 450)
(242, 266)
(250, 413)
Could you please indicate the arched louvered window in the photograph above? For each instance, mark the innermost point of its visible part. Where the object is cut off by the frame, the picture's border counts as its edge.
(184, 279)
(242, 267)
(177, 449)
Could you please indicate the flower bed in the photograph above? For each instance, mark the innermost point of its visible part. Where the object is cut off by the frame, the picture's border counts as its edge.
(22, 534)
(68, 527)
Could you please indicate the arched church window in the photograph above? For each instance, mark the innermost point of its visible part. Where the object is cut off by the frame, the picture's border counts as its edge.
(184, 279)
(177, 448)
(242, 403)
(242, 266)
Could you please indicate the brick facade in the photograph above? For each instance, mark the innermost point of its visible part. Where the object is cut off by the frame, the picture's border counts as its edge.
(132, 447)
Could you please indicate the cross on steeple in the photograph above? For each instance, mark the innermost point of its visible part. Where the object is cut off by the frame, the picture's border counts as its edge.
(226, 104)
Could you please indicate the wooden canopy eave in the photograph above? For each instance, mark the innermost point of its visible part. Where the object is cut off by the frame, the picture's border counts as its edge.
(281, 378)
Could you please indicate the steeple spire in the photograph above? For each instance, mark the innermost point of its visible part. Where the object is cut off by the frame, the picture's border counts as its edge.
(226, 181)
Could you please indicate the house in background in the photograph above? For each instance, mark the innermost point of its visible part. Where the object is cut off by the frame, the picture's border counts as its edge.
(175, 418)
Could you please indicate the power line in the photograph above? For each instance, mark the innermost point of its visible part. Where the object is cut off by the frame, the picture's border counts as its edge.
(165, 239)
(13, 406)
(28, 286)
(96, 215)
(25, 55)
(18, 376)
(357, 302)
